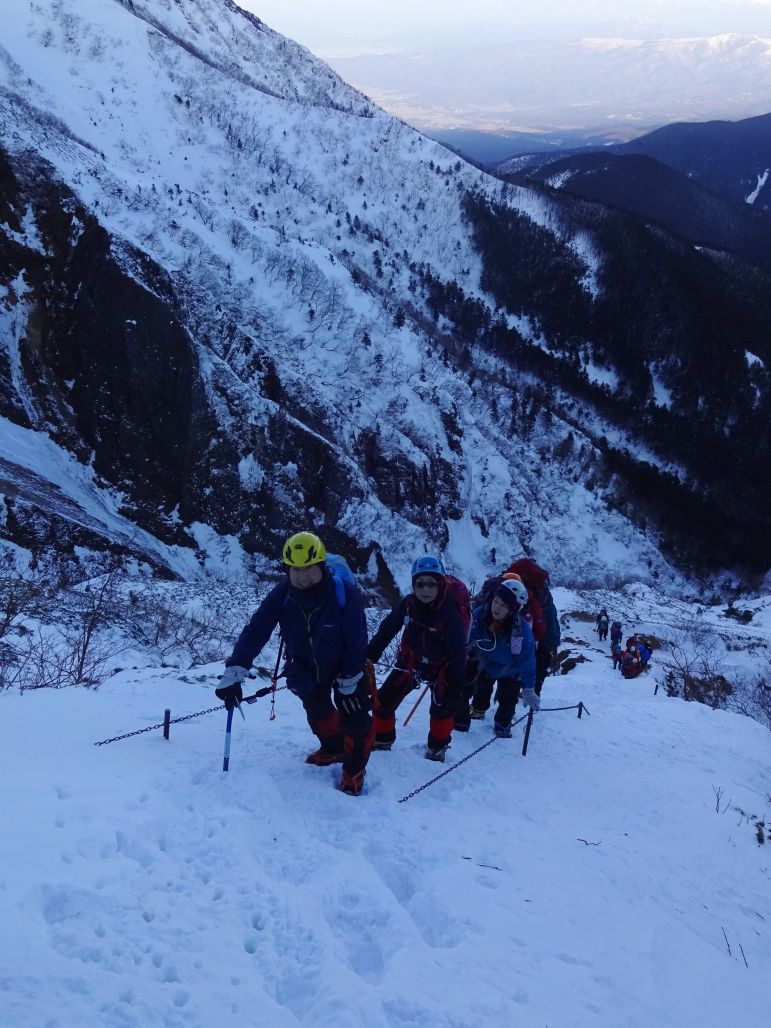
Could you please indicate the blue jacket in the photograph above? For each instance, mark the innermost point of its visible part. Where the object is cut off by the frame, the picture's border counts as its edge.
(494, 655)
(323, 640)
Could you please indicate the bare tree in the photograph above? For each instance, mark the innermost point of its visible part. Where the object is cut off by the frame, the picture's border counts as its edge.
(696, 672)
(752, 697)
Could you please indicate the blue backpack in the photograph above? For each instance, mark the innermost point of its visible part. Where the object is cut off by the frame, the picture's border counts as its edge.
(341, 573)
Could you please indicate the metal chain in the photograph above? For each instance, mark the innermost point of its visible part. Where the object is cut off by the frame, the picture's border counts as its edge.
(575, 706)
(457, 764)
(175, 721)
(128, 735)
(151, 728)
(448, 770)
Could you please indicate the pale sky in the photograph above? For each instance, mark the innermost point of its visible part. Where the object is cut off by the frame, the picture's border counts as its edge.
(322, 24)
(596, 66)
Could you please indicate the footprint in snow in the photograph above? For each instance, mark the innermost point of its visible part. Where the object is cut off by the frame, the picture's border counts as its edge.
(362, 929)
(394, 871)
(439, 928)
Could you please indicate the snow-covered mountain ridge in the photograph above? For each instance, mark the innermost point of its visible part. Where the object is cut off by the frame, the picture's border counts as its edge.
(243, 198)
(215, 257)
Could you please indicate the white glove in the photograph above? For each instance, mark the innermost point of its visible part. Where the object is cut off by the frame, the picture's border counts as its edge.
(348, 685)
(229, 689)
(530, 699)
(233, 675)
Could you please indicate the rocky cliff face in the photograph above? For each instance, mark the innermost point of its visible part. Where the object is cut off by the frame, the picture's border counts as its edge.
(102, 362)
(106, 361)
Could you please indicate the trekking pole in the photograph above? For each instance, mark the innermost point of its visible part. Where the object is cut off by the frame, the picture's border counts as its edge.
(275, 679)
(228, 727)
(528, 726)
(417, 704)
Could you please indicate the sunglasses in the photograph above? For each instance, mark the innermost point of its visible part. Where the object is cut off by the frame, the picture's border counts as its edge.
(425, 583)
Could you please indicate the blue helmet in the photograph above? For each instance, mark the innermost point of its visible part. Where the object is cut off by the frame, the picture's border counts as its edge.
(428, 565)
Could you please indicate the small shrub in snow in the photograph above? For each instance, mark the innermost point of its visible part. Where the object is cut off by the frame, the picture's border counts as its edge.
(170, 622)
(23, 593)
(580, 615)
(742, 616)
(61, 656)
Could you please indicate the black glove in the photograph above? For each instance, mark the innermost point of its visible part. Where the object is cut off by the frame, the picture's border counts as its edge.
(352, 694)
(229, 690)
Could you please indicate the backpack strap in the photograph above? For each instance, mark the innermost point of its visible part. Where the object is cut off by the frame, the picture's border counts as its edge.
(340, 591)
(414, 662)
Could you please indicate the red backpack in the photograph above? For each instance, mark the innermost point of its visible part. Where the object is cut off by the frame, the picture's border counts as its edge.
(459, 592)
(534, 576)
(488, 588)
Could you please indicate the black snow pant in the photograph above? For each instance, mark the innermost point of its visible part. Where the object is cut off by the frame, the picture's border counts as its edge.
(400, 684)
(506, 696)
(338, 732)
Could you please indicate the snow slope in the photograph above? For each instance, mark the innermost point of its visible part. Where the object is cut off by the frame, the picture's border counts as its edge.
(597, 883)
(243, 166)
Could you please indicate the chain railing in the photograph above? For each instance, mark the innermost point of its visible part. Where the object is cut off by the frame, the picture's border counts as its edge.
(580, 707)
(168, 720)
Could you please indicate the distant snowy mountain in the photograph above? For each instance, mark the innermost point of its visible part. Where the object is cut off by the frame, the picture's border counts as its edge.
(237, 298)
(588, 81)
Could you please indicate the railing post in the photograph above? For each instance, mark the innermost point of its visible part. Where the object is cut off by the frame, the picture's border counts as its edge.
(166, 723)
(580, 708)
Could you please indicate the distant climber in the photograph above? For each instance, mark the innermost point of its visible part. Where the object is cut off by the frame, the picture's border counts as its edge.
(631, 665)
(645, 653)
(616, 651)
(603, 621)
